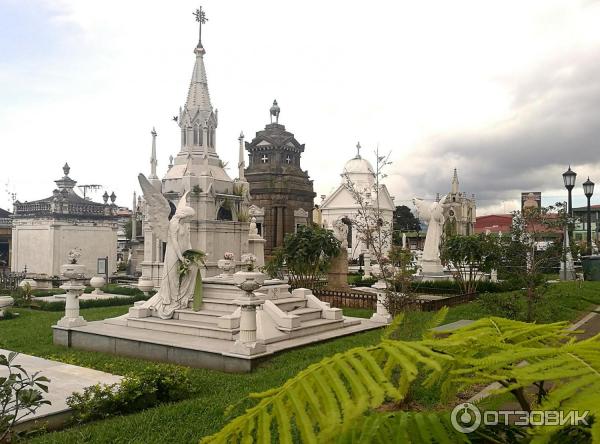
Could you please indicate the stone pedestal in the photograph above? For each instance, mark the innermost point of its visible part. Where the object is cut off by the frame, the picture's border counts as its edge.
(74, 272)
(71, 318)
(367, 265)
(382, 315)
(248, 281)
(432, 268)
(338, 273)
(256, 244)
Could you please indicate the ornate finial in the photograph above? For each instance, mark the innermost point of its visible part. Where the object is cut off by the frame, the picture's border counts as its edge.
(170, 161)
(201, 19)
(153, 132)
(358, 147)
(241, 135)
(66, 169)
(275, 110)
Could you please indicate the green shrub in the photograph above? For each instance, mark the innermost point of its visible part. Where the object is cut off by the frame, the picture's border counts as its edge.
(154, 385)
(49, 292)
(94, 303)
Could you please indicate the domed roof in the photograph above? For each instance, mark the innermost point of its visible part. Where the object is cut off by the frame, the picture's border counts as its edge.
(358, 165)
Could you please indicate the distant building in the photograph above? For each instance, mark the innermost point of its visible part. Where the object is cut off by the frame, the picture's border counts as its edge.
(45, 230)
(5, 239)
(493, 223)
(281, 192)
(460, 210)
(580, 231)
(341, 203)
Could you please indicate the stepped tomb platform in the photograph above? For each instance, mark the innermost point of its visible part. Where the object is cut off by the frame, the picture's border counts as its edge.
(210, 337)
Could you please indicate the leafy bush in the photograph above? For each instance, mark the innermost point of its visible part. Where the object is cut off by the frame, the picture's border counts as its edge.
(20, 394)
(307, 254)
(360, 281)
(155, 385)
(49, 292)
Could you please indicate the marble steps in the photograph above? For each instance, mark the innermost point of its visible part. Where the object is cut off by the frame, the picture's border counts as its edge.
(207, 316)
(317, 326)
(192, 328)
(227, 306)
(289, 304)
(306, 313)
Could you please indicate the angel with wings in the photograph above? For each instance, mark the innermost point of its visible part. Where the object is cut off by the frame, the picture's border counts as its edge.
(433, 213)
(180, 269)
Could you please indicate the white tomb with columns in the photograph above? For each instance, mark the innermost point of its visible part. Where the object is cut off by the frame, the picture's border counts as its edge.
(242, 318)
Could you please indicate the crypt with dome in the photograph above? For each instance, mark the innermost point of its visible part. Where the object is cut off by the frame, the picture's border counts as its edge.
(203, 252)
(340, 203)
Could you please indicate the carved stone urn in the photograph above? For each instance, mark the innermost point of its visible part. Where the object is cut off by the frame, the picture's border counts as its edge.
(97, 282)
(145, 284)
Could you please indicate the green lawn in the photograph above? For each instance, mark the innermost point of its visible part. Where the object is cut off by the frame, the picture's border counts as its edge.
(189, 420)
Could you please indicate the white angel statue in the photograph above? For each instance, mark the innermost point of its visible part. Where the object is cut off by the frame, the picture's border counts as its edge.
(433, 213)
(181, 263)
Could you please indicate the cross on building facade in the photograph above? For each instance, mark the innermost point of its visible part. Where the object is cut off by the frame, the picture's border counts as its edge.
(280, 188)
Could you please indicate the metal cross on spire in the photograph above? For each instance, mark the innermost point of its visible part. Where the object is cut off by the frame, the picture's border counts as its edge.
(358, 147)
(201, 19)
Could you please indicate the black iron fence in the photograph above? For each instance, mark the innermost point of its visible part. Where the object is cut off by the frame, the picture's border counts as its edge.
(359, 299)
(9, 280)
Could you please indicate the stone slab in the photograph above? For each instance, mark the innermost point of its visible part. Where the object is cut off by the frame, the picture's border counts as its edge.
(64, 380)
(216, 354)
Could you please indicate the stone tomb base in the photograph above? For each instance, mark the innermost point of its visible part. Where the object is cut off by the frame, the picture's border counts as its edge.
(208, 338)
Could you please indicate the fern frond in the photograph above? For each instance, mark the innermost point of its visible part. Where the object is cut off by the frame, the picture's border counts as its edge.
(326, 397)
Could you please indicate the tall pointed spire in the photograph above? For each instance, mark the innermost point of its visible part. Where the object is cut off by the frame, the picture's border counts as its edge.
(153, 160)
(455, 182)
(198, 98)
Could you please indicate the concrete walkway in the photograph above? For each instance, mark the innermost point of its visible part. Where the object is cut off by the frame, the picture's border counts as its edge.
(64, 380)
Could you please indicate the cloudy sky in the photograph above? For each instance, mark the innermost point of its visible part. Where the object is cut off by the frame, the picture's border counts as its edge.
(508, 92)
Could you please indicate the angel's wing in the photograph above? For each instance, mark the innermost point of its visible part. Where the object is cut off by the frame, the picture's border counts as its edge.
(423, 209)
(157, 209)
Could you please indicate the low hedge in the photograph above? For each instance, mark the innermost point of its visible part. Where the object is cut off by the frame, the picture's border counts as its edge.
(153, 386)
(90, 303)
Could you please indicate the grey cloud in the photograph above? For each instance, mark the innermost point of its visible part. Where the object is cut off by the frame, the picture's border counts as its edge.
(556, 122)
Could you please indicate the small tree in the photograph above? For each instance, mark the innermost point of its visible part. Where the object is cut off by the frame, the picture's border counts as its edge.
(20, 394)
(471, 256)
(306, 254)
(524, 256)
(377, 234)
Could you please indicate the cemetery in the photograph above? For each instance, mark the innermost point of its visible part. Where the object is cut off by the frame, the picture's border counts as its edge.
(224, 309)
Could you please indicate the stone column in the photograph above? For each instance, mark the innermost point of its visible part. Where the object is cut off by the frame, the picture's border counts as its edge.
(367, 263)
(280, 226)
(382, 315)
(74, 289)
(248, 282)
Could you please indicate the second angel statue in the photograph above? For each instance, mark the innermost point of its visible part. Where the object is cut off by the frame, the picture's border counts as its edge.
(181, 280)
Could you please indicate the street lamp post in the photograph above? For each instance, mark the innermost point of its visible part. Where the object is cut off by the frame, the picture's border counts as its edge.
(588, 190)
(569, 177)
